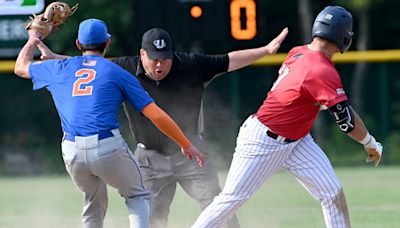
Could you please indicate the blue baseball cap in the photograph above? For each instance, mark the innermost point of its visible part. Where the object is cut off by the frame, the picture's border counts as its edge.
(92, 31)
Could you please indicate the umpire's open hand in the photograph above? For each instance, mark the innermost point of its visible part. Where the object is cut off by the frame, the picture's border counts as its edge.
(191, 151)
(275, 44)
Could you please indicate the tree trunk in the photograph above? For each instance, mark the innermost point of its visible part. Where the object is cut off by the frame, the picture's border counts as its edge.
(361, 67)
(305, 16)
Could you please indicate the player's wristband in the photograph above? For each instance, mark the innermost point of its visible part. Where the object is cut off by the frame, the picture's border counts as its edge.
(368, 141)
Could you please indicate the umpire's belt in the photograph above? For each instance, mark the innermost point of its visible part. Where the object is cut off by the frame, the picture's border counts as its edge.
(102, 135)
(279, 138)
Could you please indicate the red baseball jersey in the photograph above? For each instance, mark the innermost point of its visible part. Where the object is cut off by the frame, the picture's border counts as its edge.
(307, 83)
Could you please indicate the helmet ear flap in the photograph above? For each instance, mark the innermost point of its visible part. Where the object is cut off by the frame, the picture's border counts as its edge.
(347, 40)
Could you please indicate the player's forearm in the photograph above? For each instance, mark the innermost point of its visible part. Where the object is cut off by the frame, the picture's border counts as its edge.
(165, 124)
(25, 58)
(360, 131)
(372, 147)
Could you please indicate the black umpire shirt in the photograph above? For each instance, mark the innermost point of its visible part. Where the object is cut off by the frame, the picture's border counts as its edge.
(179, 94)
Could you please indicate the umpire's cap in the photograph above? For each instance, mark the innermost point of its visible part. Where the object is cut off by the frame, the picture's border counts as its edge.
(157, 44)
(92, 31)
(335, 24)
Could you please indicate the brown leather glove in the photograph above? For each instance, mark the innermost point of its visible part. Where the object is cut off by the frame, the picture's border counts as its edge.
(55, 14)
(374, 150)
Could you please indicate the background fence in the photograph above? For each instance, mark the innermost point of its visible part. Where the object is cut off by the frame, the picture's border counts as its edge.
(30, 131)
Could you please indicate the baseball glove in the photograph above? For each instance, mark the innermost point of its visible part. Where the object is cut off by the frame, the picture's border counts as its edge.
(374, 153)
(55, 14)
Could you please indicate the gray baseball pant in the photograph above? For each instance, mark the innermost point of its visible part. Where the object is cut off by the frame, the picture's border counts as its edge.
(161, 174)
(92, 164)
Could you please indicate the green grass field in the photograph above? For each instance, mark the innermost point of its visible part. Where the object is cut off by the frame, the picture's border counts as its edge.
(373, 196)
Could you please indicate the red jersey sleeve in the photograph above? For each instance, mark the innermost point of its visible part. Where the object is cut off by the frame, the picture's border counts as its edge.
(324, 86)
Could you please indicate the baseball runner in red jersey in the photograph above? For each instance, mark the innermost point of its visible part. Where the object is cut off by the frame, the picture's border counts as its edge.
(277, 137)
(87, 91)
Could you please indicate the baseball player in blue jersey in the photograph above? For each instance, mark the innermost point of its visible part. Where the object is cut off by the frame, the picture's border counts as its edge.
(87, 91)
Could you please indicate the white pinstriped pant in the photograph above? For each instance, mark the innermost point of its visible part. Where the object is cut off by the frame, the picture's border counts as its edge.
(257, 156)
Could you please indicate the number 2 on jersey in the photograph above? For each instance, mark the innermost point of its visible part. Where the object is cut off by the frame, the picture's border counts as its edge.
(283, 71)
(81, 87)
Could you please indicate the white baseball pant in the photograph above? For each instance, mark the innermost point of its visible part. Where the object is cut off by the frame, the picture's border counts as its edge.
(257, 156)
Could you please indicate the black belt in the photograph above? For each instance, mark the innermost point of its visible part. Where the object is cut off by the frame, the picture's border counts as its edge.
(102, 135)
(275, 136)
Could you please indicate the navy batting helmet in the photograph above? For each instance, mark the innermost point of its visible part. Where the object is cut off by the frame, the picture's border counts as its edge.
(335, 24)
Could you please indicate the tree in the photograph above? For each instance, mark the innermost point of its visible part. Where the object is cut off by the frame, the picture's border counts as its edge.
(360, 11)
(119, 20)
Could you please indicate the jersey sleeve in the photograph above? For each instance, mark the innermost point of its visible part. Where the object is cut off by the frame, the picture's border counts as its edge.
(129, 63)
(325, 86)
(119, 61)
(211, 65)
(43, 73)
(133, 91)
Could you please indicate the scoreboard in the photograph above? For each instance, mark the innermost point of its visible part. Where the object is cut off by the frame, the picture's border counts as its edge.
(211, 26)
(243, 19)
(13, 14)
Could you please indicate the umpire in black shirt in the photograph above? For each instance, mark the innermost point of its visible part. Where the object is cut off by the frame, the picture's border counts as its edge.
(176, 82)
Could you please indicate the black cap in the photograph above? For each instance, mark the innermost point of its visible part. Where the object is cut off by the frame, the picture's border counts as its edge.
(157, 43)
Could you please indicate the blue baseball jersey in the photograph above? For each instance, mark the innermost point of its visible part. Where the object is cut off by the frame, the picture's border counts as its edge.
(88, 91)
